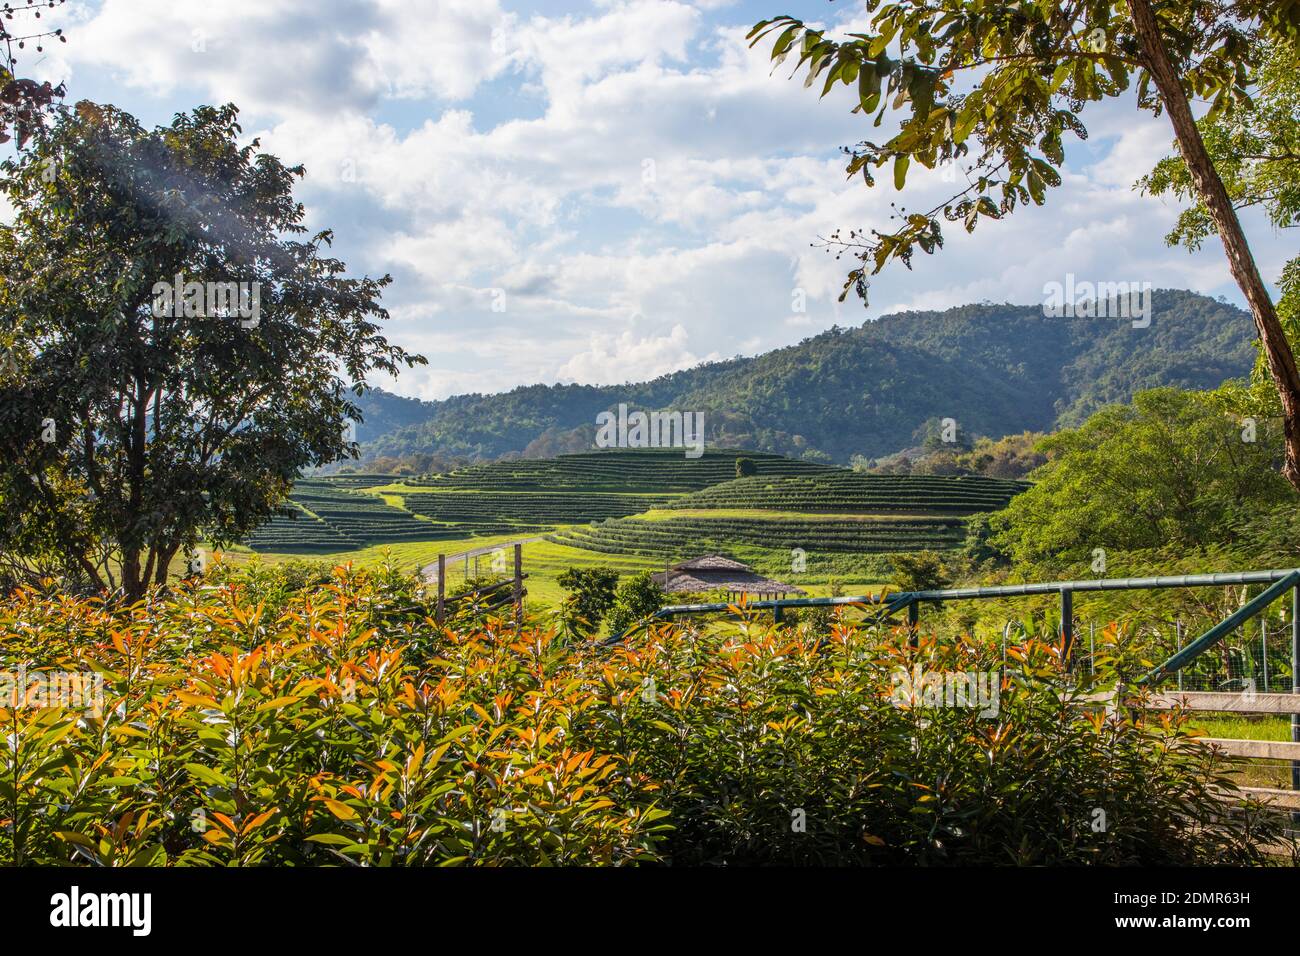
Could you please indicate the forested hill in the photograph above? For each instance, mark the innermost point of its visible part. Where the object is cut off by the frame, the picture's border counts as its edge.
(996, 369)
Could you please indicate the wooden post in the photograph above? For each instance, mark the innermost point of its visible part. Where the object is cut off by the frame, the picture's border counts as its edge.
(1295, 688)
(1092, 648)
(914, 623)
(776, 614)
(442, 587)
(1067, 626)
(1178, 633)
(519, 585)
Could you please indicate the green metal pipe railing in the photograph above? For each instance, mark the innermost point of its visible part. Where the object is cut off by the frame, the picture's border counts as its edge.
(1229, 624)
(1003, 590)
(1279, 582)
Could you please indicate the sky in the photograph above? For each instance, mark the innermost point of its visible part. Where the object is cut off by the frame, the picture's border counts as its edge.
(606, 191)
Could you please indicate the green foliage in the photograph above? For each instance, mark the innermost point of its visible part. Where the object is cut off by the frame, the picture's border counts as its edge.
(931, 437)
(1255, 150)
(133, 430)
(922, 571)
(978, 547)
(495, 508)
(817, 621)
(829, 535)
(848, 492)
(1012, 456)
(876, 783)
(230, 734)
(638, 598)
(1172, 469)
(616, 471)
(998, 86)
(270, 583)
(591, 595)
(746, 467)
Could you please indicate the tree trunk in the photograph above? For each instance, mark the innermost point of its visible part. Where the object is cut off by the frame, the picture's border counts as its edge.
(1277, 351)
(131, 541)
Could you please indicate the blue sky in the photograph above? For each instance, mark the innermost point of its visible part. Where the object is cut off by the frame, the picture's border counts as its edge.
(599, 192)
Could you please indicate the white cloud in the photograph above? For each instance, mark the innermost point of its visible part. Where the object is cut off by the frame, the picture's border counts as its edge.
(627, 357)
(632, 158)
(296, 56)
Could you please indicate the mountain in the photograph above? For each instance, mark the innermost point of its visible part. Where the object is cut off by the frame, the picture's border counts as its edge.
(385, 412)
(995, 369)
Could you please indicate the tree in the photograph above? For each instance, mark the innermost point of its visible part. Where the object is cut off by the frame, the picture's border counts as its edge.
(23, 102)
(174, 354)
(1172, 469)
(638, 598)
(1028, 68)
(590, 597)
(1256, 151)
(920, 571)
(746, 467)
(1012, 456)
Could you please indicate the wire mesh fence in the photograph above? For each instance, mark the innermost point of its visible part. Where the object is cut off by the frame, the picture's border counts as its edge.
(1254, 658)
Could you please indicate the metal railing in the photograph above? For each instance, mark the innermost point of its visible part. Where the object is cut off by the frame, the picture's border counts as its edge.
(889, 603)
(893, 602)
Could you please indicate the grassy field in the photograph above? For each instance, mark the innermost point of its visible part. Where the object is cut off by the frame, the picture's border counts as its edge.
(411, 554)
(631, 511)
(1245, 728)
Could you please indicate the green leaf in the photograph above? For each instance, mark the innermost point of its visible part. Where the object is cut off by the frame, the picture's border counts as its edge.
(333, 839)
(901, 162)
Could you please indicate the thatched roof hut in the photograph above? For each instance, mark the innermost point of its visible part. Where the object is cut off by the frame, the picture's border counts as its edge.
(715, 572)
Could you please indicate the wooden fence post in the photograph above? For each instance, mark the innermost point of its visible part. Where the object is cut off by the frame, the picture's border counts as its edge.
(519, 585)
(914, 623)
(1295, 688)
(1067, 627)
(442, 586)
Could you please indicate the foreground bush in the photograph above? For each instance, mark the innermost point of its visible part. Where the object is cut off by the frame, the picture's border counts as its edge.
(344, 726)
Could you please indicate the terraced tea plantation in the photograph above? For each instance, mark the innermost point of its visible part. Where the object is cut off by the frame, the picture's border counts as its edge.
(361, 517)
(846, 492)
(357, 482)
(688, 536)
(303, 533)
(642, 504)
(471, 506)
(326, 518)
(644, 470)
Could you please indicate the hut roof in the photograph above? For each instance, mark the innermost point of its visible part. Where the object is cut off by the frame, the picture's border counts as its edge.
(715, 572)
(711, 562)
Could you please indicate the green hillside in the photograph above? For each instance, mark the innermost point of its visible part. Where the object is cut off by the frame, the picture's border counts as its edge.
(689, 536)
(848, 492)
(346, 513)
(558, 508)
(326, 516)
(619, 470)
(996, 369)
(640, 503)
